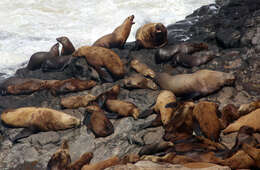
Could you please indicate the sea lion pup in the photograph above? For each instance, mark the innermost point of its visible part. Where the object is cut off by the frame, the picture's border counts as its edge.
(97, 122)
(123, 108)
(165, 97)
(61, 158)
(38, 58)
(101, 57)
(67, 46)
(167, 53)
(142, 68)
(43, 119)
(69, 85)
(154, 148)
(152, 35)
(200, 83)
(140, 82)
(73, 102)
(102, 164)
(250, 120)
(16, 85)
(205, 113)
(247, 108)
(118, 37)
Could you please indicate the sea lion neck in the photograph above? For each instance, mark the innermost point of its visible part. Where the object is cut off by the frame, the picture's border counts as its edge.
(67, 49)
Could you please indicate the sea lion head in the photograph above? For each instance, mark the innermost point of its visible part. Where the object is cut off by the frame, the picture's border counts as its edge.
(131, 19)
(67, 46)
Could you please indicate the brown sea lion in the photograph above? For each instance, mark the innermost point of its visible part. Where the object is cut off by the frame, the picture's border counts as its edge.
(101, 57)
(200, 83)
(118, 37)
(250, 120)
(16, 85)
(67, 46)
(73, 102)
(38, 58)
(167, 53)
(97, 122)
(102, 164)
(165, 97)
(199, 165)
(43, 119)
(123, 108)
(154, 148)
(205, 113)
(142, 68)
(152, 35)
(247, 108)
(140, 82)
(130, 158)
(253, 153)
(229, 114)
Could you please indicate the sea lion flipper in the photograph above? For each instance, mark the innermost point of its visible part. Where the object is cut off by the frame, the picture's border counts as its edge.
(26, 132)
(146, 113)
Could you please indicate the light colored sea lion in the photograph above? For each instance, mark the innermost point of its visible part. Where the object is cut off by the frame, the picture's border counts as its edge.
(247, 108)
(102, 164)
(118, 37)
(140, 82)
(67, 46)
(43, 119)
(142, 68)
(123, 108)
(73, 102)
(251, 120)
(152, 35)
(200, 83)
(38, 58)
(165, 97)
(101, 57)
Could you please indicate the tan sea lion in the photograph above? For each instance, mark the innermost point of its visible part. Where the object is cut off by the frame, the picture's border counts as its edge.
(102, 164)
(97, 122)
(140, 82)
(129, 158)
(142, 68)
(152, 35)
(73, 102)
(38, 58)
(247, 108)
(200, 83)
(118, 37)
(253, 153)
(43, 119)
(123, 108)
(165, 97)
(251, 120)
(101, 57)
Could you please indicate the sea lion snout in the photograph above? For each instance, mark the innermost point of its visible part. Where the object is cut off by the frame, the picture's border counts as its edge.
(132, 19)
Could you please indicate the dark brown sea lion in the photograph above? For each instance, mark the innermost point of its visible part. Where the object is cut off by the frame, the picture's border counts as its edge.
(229, 114)
(37, 59)
(167, 53)
(140, 82)
(118, 37)
(43, 119)
(67, 46)
(16, 85)
(142, 68)
(97, 122)
(152, 35)
(200, 83)
(102, 164)
(101, 57)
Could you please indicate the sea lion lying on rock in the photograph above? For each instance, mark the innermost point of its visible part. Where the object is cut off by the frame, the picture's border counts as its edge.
(200, 83)
(140, 82)
(142, 68)
(118, 37)
(73, 102)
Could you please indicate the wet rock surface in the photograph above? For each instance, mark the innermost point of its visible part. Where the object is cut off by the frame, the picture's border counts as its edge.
(231, 30)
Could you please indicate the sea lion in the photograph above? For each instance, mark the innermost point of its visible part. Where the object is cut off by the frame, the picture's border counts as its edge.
(101, 57)
(16, 85)
(43, 119)
(250, 120)
(73, 102)
(167, 53)
(142, 68)
(151, 35)
(123, 108)
(205, 113)
(140, 82)
(165, 97)
(253, 153)
(102, 164)
(247, 108)
(118, 37)
(200, 83)
(67, 46)
(97, 122)
(229, 114)
(38, 58)
(130, 158)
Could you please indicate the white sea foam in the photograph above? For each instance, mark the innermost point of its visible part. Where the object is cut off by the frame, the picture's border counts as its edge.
(29, 26)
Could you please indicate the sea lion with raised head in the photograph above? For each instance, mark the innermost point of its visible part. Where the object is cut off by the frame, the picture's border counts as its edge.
(140, 82)
(142, 68)
(152, 35)
(67, 46)
(200, 83)
(43, 119)
(37, 59)
(102, 57)
(118, 37)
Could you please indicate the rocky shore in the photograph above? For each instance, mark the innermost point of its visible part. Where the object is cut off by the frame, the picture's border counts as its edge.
(232, 31)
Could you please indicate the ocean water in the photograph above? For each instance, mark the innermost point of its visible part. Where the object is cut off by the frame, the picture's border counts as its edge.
(29, 26)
